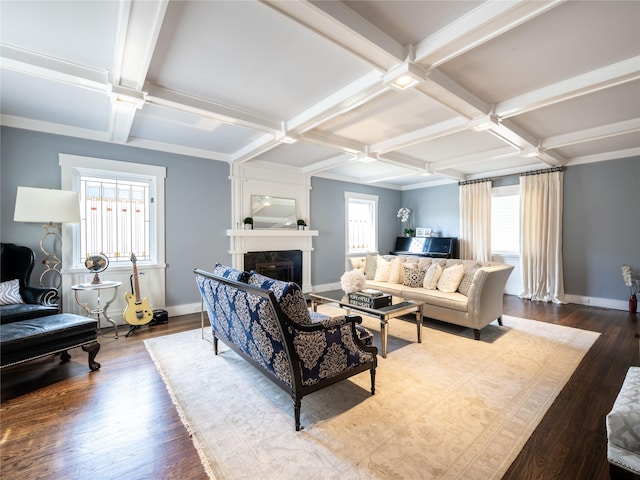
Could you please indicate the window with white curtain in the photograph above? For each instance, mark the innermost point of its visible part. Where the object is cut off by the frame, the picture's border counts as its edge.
(505, 220)
(362, 218)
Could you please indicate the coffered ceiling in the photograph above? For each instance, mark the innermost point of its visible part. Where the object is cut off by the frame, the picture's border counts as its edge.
(498, 87)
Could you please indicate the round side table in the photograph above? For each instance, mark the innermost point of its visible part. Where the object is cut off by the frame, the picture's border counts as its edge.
(99, 308)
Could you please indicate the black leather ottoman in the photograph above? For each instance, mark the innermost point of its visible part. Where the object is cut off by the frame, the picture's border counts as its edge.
(34, 338)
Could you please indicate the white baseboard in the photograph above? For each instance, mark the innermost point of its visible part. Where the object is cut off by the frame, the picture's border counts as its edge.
(190, 308)
(598, 302)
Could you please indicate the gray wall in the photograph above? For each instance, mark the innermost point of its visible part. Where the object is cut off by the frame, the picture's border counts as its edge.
(601, 223)
(437, 208)
(328, 216)
(601, 212)
(198, 205)
(601, 227)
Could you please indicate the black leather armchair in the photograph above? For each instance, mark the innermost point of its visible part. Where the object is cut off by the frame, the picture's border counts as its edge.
(17, 262)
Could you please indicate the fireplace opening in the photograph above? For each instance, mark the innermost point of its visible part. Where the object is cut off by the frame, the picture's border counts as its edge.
(283, 265)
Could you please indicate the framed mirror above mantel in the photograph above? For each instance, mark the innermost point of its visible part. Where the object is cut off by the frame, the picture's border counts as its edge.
(270, 212)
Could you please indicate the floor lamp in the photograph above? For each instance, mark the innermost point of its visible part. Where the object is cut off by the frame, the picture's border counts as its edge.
(51, 208)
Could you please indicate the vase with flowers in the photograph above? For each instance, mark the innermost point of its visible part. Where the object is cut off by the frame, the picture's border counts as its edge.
(404, 214)
(633, 282)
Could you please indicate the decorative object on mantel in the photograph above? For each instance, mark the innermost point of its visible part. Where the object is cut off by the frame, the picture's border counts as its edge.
(423, 232)
(248, 223)
(403, 214)
(633, 283)
(352, 281)
(301, 224)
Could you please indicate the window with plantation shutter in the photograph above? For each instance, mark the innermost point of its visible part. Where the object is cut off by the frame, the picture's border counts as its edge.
(361, 216)
(505, 220)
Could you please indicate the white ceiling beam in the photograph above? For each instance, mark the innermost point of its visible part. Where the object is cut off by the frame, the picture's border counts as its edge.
(334, 142)
(346, 99)
(345, 28)
(386, 178)
(139, 24)
(403, 161)
(30, 63)
(485, 22)
(472, 159)
(442, 129)
(257, 147)
(602, 157)
(590, 134)
(448, 92)
(164, 97)
(590, 82)
(328, 164)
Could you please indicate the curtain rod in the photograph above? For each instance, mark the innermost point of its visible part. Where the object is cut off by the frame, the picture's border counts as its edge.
(523, 174)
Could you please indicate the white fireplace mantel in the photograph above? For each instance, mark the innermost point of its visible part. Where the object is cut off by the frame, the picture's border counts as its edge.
(265, 240)
(272, 232)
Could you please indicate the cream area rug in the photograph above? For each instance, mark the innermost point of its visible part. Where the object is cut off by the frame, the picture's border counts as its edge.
(448, 408)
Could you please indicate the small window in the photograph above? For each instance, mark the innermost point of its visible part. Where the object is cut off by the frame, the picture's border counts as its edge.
(114, 218)
(505, 220)
(361, 216)
(121, 209)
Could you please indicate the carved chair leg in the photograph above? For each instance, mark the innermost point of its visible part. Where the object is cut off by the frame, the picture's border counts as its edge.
(92, 349)
(296, 410)
(64, 357)
(373, 381)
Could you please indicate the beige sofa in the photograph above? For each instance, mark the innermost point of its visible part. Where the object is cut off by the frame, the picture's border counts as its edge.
(475, 302)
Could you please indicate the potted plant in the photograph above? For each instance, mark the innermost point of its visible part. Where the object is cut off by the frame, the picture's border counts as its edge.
(248, 223)
(301, 224)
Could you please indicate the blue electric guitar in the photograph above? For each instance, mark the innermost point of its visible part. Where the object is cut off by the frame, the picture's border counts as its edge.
(137, 311)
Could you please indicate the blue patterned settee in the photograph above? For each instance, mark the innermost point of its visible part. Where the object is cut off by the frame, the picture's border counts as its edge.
(267, 322)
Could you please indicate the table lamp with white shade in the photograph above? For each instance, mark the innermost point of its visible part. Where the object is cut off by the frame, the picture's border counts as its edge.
(51, 208)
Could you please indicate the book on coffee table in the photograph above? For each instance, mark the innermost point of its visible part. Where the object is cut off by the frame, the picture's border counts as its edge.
(371, 300)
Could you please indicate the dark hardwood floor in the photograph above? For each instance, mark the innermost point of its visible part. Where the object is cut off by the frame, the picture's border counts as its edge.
(62, 421)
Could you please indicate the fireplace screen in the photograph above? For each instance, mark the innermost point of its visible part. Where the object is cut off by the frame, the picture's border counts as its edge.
(281, 265)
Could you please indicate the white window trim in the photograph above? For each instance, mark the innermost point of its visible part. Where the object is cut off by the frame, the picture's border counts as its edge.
(359, 196)
(72, 166)
(505, 191)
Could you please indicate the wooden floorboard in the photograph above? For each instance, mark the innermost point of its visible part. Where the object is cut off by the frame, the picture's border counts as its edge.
(63, 421)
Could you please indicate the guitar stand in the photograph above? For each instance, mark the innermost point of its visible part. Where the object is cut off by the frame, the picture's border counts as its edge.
(132, 329)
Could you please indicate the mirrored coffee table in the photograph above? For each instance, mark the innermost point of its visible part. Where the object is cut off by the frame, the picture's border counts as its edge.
(398, 308)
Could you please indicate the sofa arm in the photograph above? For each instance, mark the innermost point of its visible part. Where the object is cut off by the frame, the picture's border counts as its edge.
(486, 293)
(329, 348)
(39, 295)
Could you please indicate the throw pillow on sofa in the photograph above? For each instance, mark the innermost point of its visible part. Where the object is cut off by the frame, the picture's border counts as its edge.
(451, 278)
(10, 292)
(432, 276)
(287, 294)
(370, 267)
(396, 271)
(383, 269)
(467, 280)
(413, 276)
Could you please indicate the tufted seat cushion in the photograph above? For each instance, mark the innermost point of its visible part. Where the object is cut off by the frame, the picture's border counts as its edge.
(33, 338)
(623, 424)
